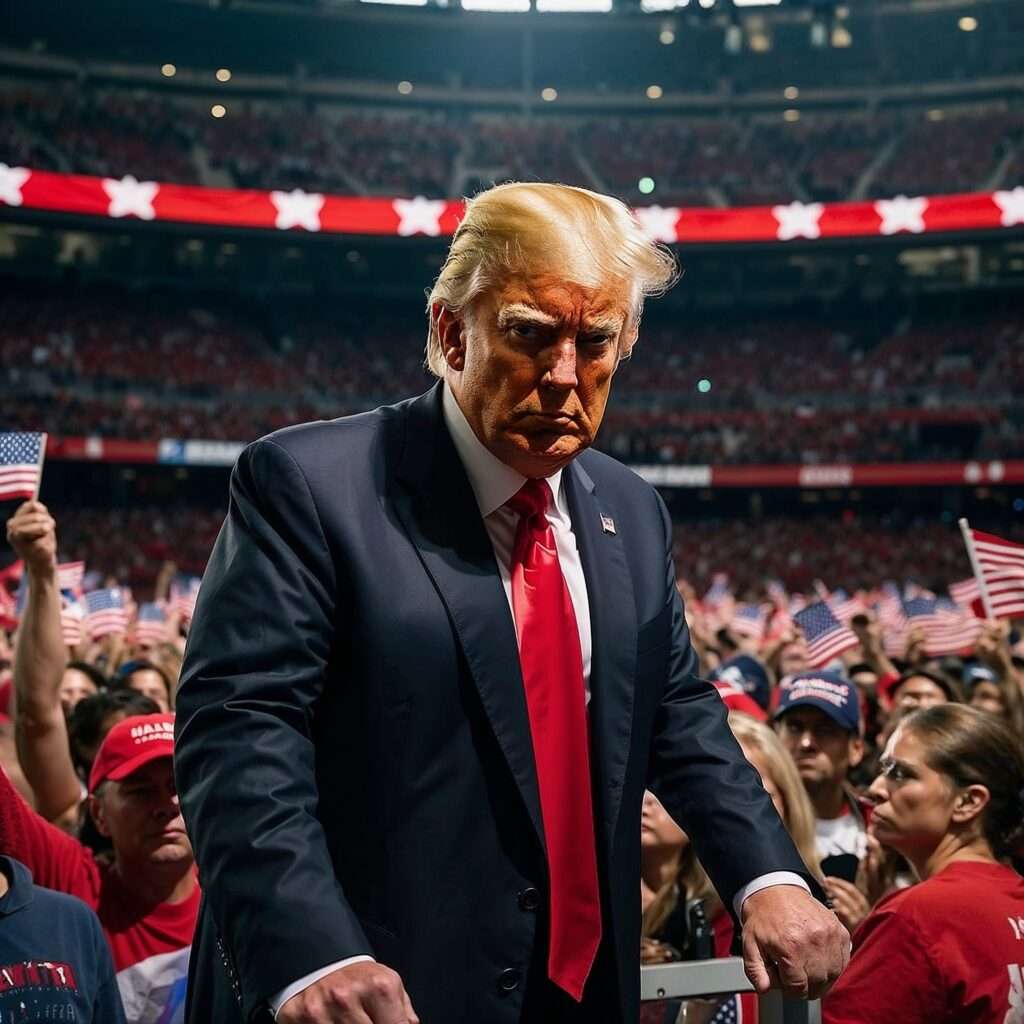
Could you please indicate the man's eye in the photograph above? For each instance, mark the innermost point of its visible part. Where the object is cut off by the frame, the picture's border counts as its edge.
(526, 331)
(596, 340)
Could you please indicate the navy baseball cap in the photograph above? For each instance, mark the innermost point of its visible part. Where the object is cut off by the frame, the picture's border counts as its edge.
(829, 692)
(748, 674)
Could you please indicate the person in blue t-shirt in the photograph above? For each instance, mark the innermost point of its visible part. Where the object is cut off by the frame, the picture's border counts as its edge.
(54, 961)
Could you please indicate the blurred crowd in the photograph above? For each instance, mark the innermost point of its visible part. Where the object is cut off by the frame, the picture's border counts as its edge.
(285, 144)
(88, 805)
(114, 363)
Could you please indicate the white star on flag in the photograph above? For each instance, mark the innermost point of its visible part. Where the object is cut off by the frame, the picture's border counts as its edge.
(1011, 204)
(902, 214)
(298, 209)
(659, 222)
(419, 215)
(11, 180)
(798, 220)
(131, 198)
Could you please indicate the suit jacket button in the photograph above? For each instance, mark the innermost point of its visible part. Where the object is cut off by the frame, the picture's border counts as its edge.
(529, 899)
(509, 979)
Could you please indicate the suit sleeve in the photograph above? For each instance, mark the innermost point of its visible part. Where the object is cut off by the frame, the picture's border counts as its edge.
(254, 667)
(699, 773)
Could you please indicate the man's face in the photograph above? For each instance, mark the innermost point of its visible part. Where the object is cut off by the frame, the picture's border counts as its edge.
(531, 364)
(793, 657)
(919, 692)
(142, 817)
(150, 684)
(74, 685)
(822, 749)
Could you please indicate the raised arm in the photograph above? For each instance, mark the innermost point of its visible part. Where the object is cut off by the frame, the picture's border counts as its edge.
(39, 659)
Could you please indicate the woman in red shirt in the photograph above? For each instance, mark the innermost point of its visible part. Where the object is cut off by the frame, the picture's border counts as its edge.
(949, 950)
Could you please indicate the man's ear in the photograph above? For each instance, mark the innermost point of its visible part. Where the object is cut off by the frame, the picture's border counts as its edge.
(970, 803)
(856, 751)
(450, 336)
(99, 817)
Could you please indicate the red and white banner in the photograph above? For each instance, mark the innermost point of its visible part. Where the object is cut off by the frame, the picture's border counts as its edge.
(860, 474)
(358, 215)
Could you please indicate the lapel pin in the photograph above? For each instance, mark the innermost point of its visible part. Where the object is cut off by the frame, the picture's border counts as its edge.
(607, 524)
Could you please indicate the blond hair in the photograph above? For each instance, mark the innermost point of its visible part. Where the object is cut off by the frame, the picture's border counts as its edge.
(799, 817)
(521, 228)
(691, 880)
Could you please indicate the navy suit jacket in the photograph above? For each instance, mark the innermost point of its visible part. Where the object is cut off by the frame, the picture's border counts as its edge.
(353, 751)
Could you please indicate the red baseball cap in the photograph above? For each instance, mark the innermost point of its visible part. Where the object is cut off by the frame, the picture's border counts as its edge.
(133, 742)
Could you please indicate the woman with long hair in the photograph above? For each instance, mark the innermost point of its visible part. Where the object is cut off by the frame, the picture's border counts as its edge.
(949, 950)
(673, 878)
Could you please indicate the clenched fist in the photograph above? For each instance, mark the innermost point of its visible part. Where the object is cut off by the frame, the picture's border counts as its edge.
(362, 993)
(32, 532)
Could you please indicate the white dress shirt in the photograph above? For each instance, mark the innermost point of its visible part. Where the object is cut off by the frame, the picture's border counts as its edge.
(494, 483)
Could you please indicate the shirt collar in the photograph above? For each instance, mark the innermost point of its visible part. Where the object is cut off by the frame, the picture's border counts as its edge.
(19, 895)
(492, 481)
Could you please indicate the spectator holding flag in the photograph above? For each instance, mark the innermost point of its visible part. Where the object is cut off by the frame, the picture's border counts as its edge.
(147, 894)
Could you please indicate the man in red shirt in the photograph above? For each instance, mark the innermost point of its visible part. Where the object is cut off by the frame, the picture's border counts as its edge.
(147, 896)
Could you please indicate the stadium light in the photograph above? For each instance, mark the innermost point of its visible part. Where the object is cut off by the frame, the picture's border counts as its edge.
(655, 92)
(791, 92)
(548, 94)
(756, 3)
(404, 87)
(168, 71)
(661, 6)
(398, 3)
(967, 23)
(223, 75)
(645, 186)
(791, 115)
(666, 37)
(574, 6)
(502, 6)
(841, 38)
(218, 110)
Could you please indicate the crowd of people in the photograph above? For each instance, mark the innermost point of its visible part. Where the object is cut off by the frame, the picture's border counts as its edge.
(145, 366)
(286, 143)
(898, 772)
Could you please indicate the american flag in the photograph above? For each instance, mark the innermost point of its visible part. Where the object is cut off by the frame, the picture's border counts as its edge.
(70, 575)
(21, 465)
(893, 620)
(966, 592)
(151, 627)
(184, 591)
(105, 612)
(749, 620)
(844, 607)
(1002, 567)
(72, 622)
(826, 636)
(718, 592)
(947, 628)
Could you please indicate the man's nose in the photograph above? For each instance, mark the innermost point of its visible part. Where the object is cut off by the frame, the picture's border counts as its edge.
(877, 792)
(562, 372)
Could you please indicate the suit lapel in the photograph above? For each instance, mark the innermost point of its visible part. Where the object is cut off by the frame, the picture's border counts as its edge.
(613, 637)
(440, 514)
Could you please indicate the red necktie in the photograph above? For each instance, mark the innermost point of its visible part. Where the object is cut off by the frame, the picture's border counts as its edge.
(549, 653)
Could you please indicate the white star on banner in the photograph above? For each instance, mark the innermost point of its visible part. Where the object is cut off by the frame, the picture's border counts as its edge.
(902, 214)
(11, 180)
(659, 222)
(298, 209)
(419, 215)
(131, 198)
(1011, 204)
(798, 220)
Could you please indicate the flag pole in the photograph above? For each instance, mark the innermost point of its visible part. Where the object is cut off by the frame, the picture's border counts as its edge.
(39, 475)
(986, 601)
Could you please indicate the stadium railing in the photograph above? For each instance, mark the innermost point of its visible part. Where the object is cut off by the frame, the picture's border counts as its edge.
(704, 978)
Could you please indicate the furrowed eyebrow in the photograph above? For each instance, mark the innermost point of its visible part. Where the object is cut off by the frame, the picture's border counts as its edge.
(611, 325)
(518, 312)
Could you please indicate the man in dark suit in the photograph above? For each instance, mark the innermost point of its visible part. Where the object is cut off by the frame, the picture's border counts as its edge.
(437, 656)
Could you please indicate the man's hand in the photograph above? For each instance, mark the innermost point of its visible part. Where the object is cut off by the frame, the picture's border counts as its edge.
(793, 943)
(32, 532)
(362, 993)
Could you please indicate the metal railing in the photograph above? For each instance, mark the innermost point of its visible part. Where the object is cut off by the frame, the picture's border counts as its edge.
(699, 979)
